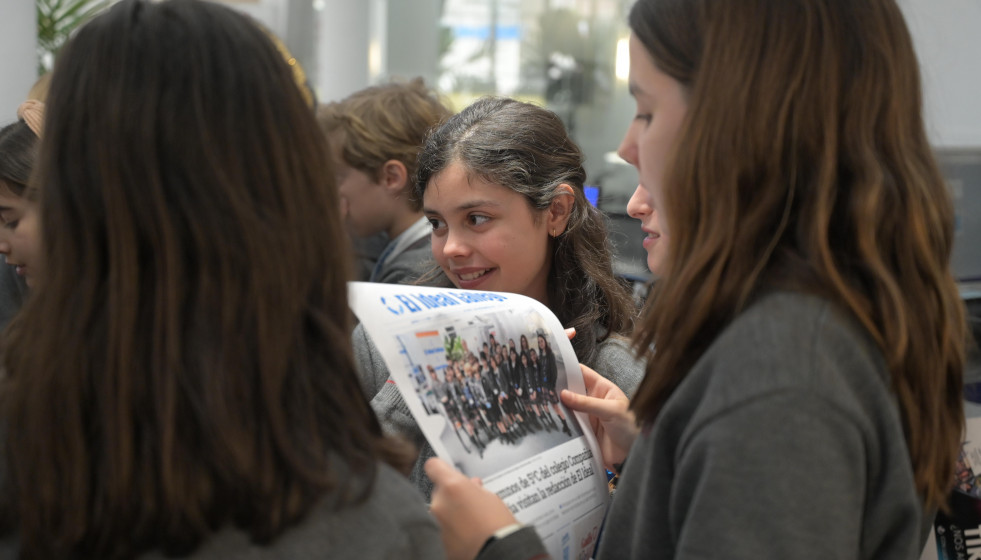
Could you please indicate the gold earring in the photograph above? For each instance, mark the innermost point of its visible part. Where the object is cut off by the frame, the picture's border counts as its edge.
(553, 233)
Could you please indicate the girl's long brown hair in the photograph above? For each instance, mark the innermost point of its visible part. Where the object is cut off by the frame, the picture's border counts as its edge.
(804, 163)
(184, 363)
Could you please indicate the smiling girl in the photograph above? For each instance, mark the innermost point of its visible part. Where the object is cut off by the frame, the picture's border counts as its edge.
(502, 185)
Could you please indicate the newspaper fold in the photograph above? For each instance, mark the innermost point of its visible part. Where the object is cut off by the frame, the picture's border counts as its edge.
(481, 373)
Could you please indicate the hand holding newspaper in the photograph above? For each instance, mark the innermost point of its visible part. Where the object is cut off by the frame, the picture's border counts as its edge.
(481, 373)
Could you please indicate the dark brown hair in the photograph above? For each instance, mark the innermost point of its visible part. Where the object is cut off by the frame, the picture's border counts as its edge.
(803, 163)
(526, 149)
(18, 154)
(184, 363)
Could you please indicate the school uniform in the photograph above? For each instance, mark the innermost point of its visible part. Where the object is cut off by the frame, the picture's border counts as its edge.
(406, 257)
(783, 441)
(393, 522)
(549, 373)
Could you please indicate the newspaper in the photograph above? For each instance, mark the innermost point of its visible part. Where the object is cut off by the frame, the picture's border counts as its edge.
(956, 533)
(491, 413)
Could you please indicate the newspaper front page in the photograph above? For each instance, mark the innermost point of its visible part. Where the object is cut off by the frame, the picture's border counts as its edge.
(481, 373)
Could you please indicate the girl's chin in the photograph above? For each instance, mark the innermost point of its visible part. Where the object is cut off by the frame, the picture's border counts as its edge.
(655, 265)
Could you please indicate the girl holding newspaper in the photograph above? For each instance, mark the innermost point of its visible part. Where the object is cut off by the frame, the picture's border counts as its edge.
(520, 224)
(805, 397)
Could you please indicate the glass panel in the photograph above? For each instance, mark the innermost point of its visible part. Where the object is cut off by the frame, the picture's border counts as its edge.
(561, 54)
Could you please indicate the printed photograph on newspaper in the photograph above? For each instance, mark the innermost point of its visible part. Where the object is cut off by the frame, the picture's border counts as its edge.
(481, 373)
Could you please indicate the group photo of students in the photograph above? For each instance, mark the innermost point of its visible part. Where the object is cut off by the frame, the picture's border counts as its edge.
(182, 212)
(495, 392)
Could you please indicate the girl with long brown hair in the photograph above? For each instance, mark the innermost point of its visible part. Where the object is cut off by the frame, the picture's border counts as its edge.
(180, 381)
(501, 183)
(804, 399)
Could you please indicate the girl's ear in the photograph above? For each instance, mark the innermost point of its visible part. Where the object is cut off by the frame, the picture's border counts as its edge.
(560, 210)
(394, 176)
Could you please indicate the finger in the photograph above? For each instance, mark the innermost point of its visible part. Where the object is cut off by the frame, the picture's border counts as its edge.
(441, 473)
(570, 332)
(590, 377)
(599, 386)
(603, 409)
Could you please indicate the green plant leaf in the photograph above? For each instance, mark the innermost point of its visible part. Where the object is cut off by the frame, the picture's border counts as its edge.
(58, 19)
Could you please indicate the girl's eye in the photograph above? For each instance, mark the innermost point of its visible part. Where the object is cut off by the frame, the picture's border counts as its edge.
(478, 220)
(11, 225)
(644, 117)
(437, 224)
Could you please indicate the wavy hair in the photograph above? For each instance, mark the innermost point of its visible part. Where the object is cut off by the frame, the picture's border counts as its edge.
(385, 122)
(526, 149)
(804, 163)
(184, 363)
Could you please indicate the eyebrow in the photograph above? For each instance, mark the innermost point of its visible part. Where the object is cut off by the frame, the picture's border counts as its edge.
(466, 205)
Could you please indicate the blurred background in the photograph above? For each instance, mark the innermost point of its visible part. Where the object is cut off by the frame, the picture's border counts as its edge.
(567, 55)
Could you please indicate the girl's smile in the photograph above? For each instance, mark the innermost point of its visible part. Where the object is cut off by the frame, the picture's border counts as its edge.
(486, 236)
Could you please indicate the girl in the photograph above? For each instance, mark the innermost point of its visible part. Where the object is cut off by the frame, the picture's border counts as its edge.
(19, 241)
(509, 388)
(502, 185)
(527, 387)
(180, 381)
(549, 374)
(805, 399)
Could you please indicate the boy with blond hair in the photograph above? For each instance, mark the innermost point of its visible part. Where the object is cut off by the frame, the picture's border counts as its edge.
(375, 135)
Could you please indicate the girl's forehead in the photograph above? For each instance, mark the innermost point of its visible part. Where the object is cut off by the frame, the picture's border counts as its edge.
(454, 187)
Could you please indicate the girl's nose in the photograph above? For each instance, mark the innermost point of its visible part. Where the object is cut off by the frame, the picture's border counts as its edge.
(456, 245)
(639, 204)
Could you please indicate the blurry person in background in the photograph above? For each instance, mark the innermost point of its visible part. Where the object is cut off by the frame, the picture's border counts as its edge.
(18, 216)
(375, 136)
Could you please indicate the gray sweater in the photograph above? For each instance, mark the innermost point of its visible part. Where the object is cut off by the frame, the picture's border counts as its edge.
(784, 441)
(614, 360)
(392, 523)
(407, 257)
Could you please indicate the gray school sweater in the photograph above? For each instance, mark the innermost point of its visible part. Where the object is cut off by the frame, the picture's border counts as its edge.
(784, 441)
(392, 523)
